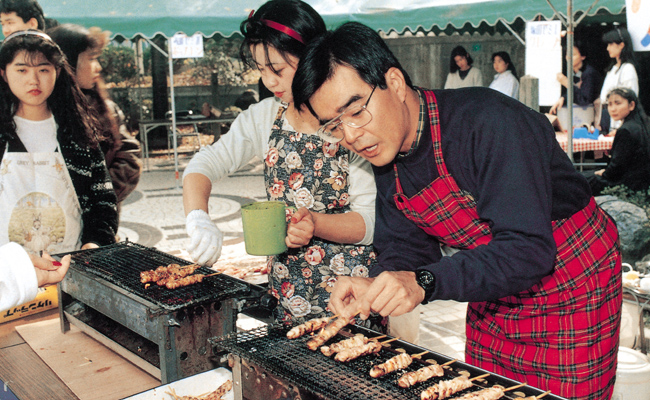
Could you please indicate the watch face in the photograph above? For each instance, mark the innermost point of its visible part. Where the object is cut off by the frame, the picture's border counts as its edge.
(426, 278)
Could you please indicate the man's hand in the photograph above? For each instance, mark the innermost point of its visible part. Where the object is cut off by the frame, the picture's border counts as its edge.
(391, 293)
(48, 270)
(300, 229)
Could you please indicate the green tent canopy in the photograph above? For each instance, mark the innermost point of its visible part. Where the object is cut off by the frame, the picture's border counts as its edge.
(147, 18)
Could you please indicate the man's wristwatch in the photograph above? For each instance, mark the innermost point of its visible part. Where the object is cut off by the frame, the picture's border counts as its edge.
(427, 280)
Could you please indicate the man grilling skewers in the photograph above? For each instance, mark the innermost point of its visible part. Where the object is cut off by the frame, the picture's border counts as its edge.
(538, 261)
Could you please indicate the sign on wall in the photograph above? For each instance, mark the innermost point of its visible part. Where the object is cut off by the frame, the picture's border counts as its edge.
(544, 58)
(638, 23)
(183, 46)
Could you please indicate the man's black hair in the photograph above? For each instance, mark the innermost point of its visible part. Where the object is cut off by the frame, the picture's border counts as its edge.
(352, 44)
(25, 9)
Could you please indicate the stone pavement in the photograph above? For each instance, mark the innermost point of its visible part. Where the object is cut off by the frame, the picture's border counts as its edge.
(153, 216)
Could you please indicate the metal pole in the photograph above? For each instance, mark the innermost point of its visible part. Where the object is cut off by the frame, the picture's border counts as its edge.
(569, 89)
(171, 90)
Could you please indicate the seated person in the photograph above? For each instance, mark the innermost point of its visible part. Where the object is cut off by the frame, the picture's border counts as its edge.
(630, 152)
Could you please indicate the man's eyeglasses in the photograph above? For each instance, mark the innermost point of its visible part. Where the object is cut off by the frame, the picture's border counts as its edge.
(355, 117)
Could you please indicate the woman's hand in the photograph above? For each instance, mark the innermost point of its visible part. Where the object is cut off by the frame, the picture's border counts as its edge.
(48, 270)
(558, 104)
(301, 228)
(564, 81)
(599, 172)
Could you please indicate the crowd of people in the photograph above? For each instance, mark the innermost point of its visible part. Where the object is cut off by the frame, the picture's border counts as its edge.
(400, 195)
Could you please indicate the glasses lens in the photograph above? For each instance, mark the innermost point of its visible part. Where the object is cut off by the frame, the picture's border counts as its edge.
(331, 132)
(356, 117)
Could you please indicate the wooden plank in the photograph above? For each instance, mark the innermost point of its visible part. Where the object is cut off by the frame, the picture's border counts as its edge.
(8, 334)
(29, 377)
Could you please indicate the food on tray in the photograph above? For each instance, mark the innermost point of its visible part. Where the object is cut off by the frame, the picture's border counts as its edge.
(308, 327)
(444, 389)
(326, 333)
(243, 272)
(356, 352)
(493, 393)
(163, 274)
(421, 375)
(398, 362)
(216, 395)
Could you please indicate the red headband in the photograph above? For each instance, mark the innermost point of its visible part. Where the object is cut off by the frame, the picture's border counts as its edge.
(279, 27)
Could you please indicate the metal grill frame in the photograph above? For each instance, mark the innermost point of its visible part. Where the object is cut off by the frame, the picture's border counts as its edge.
(180, 331)
(325, 378)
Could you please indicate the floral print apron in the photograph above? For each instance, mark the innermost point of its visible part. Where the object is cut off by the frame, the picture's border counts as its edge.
(304, 171)
(561, 334)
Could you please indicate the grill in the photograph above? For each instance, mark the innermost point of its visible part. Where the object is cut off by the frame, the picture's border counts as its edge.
(163, 331)
(265, 360)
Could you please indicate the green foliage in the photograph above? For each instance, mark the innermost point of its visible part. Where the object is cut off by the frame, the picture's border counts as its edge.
(640, 199)
(221, 57)
(119, 64)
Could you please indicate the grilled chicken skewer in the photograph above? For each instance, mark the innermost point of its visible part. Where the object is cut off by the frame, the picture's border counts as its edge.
(400, 361)
(310, 326)
(533, 397)
(421, 375)
(326, 333)
(444, 389)
(162, 274)
(493, 393)
(355, 341)
(187, 280)
(350, 354)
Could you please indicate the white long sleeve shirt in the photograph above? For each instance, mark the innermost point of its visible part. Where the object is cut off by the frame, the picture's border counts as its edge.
(18, 282)
(249, 137)
(506, 83)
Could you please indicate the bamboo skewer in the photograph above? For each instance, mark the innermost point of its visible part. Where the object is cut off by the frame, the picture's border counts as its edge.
(449, 362)
(514, 387)
(480, 377)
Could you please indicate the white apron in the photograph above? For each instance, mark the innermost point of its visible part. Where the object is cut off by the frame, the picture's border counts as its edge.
(40, 208)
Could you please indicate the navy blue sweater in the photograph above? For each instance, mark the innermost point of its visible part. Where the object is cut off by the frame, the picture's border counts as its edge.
(506, 156)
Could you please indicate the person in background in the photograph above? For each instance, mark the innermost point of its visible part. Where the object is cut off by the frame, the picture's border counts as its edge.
(630, 151)
(538, 261)
(246, 99)
(586, 86)
(461, 72)
(21, 274)
(53, 175)
(330, 234)
(82, 47)
(621, 73)
(20, 15)
(506, 80)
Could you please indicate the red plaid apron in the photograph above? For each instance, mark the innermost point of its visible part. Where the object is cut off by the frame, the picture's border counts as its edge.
(559, 335)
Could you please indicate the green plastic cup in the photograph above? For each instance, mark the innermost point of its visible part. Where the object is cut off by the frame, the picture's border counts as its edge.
(265, 228)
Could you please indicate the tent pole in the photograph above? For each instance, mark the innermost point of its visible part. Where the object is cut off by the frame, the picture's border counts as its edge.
(569, 89)
(509, 28)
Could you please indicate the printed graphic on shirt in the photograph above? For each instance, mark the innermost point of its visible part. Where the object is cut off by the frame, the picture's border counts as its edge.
(37, 223)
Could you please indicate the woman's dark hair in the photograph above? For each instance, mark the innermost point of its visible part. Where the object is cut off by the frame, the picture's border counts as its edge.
(582, 49)
(74, 40)
(67, 103)
(296, 15)
(353, 45)
(459, 51)
(638, 114)
(618, 36)
(506, 58)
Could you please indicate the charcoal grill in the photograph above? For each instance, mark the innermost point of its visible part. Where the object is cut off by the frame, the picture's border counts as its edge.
(162, 331)
(266, 365)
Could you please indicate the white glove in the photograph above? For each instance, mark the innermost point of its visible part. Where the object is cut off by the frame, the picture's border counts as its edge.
(205, 247)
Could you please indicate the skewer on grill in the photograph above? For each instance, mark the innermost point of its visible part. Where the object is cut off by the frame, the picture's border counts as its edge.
(355, 341)
(170, 272)
(356, 352)
(400, 361)
(533, 397)
(492, 393)
(423, 374)
(444, 389)
(328, 332)
(310, 326)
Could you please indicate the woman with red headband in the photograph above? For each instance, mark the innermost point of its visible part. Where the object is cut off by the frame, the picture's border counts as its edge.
(333, 190)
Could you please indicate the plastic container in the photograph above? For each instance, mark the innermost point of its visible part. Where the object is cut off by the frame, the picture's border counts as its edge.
(265, 227)
(632, 376)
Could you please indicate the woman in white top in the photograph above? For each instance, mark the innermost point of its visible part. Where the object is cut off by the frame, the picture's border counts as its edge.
(461, 72)
(622, 72)
(506, 80)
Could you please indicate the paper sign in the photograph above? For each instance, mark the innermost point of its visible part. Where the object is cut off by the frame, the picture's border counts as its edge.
(183, 46)
(638, 23)
(544, 58)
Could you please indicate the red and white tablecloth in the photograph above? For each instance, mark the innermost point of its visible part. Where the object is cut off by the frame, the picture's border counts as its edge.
(603, 143)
